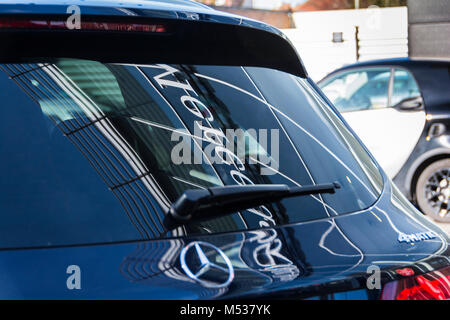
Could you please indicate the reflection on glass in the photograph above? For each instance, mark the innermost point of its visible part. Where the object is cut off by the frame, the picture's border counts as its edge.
(359, 90)
(123, 120)
(405, 87)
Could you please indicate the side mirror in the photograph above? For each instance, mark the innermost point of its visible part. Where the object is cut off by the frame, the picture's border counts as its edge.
(410, 104)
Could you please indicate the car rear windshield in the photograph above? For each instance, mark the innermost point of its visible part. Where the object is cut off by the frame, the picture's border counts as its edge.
(97, 153)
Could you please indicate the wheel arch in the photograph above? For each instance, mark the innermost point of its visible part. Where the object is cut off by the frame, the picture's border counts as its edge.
(420, 164)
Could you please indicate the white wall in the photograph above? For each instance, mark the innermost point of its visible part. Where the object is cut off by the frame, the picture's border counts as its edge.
(383, 33)
(266, 4)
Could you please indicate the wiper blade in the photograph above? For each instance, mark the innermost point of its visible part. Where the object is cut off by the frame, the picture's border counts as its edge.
(202, 204)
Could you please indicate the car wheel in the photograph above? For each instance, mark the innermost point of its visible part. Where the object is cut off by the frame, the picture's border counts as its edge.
(433, 190)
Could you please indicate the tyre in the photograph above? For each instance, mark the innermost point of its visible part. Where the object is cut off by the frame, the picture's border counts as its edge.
(433, 190)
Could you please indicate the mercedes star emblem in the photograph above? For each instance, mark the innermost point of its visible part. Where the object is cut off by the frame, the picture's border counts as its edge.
(196, 263)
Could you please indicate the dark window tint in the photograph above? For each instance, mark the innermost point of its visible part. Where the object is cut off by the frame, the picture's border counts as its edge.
(108, 147)
(50, 195)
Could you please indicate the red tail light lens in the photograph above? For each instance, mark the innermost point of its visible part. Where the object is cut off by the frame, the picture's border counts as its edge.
(430, 286)
(10, 23)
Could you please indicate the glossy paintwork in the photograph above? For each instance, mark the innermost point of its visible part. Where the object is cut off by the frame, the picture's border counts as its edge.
(303, 260)
(232, 31)
(178, 10)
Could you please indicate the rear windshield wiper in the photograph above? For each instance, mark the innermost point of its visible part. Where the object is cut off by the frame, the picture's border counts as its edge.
(201, 204)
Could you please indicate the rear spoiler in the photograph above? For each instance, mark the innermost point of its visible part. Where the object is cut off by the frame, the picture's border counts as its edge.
(146, 41)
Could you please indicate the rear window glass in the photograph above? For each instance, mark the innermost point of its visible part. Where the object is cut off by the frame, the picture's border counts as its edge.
(95, 152)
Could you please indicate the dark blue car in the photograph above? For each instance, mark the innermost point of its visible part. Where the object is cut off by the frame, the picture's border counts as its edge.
(164, 150)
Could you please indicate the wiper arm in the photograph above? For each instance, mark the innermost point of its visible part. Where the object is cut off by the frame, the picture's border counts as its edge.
(202, 204)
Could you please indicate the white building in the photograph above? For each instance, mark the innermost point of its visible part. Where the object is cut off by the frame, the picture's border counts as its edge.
(266, 4)
(382, 33)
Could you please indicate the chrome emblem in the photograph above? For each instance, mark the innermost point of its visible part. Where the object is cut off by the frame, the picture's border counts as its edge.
(199, 266)
(416, 237)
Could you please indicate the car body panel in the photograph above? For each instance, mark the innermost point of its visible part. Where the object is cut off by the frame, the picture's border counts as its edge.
(176, 10)
(396, 133)
(303, 260)
(186, 25)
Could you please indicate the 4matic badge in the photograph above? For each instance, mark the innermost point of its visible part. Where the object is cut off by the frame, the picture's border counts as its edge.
(416, 237)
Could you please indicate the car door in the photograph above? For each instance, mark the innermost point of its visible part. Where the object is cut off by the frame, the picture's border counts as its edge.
(373, 101)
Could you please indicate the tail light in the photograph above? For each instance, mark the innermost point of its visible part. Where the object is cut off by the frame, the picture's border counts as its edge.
(430, 286)
(13, 23)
